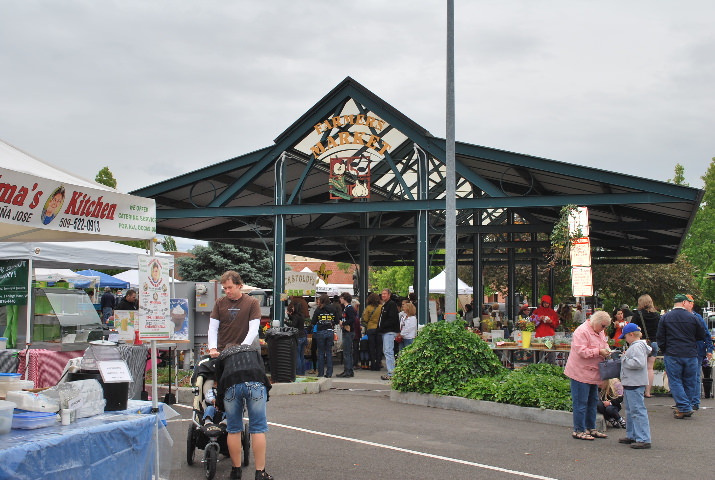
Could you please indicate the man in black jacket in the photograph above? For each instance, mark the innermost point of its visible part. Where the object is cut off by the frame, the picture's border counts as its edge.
(389, 327)
(679, 331)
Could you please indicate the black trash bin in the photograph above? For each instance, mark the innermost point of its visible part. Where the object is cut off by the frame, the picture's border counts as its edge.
(282, 353)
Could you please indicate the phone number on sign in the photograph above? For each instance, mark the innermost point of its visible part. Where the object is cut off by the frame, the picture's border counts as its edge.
(83, 224)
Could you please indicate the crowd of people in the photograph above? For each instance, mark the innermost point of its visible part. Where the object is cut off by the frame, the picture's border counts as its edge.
(680, 335)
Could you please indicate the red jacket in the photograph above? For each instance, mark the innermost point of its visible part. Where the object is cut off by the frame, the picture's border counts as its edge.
(546, 329)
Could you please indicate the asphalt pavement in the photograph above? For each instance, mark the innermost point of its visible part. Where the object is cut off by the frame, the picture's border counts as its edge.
(354, 431)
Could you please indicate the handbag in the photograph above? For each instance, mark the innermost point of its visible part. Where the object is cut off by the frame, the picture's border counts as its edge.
(645, 330)
(609, 368)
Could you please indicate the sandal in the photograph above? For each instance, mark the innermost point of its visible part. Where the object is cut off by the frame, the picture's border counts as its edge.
(385, 377)
(581, 436)
(596, 434)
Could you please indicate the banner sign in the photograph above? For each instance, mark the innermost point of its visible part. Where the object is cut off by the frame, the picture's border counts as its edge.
(349, 178)
(300, 283)
(35, 202)
(368, 136)
(581, 252)
(154, 298)
(581, 281)
(579, 219)
(13, 282)
(125, 323)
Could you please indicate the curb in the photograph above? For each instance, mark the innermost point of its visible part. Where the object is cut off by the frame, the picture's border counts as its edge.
(529, 414)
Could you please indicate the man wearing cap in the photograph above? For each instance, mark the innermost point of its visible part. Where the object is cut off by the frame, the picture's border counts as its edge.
(705, 349)
(678, 334)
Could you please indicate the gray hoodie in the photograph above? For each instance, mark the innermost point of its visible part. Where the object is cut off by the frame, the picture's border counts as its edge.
(634, 364)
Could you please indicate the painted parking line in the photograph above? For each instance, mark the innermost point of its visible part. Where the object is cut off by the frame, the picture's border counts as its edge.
(413, 452)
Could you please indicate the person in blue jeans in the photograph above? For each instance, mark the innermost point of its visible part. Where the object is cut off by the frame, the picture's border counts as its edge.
(108, 301)
(243, 382)
(296, 320)
(678, 334)
(389, 327)
(634, 378)
(705, 351)
(324, 320)
(349, 323)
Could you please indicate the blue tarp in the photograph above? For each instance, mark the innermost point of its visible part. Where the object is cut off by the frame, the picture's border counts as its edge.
(104, 279)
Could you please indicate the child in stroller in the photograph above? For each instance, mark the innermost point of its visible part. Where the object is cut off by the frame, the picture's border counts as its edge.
(208, 427)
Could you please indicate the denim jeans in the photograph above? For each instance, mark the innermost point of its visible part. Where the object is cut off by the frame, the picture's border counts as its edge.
(348, 351)
(637, 424)
(682, 376)
(388, 348)
(584, 398)
(325, 342)
(251, 394)
(300, 360)
(405, 342)
(106, 313)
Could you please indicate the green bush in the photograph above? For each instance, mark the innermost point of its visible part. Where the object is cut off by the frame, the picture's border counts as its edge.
(442, 358)
(447, 359)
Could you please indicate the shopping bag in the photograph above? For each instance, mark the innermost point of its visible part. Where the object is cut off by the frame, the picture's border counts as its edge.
(609, 368)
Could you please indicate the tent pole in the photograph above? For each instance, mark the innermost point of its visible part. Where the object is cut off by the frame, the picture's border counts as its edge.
(28, 337)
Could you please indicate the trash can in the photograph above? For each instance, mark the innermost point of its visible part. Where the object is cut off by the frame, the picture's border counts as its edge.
(282, 353)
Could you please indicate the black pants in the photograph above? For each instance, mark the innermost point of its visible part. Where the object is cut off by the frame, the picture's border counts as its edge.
(374, 345)
(609, 413)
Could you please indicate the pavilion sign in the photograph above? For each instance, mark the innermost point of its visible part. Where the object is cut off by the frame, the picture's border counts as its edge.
(361, 139)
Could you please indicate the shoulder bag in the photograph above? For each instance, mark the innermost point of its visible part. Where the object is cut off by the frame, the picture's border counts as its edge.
(609, 368)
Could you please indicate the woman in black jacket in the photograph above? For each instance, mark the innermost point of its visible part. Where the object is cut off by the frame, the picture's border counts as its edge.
(324, 319)
(647, 318)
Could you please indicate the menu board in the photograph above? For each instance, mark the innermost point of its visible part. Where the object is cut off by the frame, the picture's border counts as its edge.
(179, 318)
(301, 283)
(581, 281)
(125, 322)
(154, 299)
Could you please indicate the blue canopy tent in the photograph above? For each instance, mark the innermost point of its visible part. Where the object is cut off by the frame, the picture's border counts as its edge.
(104, 279)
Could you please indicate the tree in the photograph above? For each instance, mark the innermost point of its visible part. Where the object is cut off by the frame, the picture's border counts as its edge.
(699, 246)
(210, 262)
(398, 279)
(168, 244)
(679, 178)
(105, 177)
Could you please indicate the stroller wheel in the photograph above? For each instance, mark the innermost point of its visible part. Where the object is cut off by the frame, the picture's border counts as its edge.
(211, 454)
(246, 444)
(190, 444)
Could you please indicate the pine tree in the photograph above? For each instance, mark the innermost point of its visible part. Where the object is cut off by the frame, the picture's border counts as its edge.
(210, 262)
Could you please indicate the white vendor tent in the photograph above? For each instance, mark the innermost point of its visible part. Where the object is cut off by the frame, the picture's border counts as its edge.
(40, 202)
(55, 274)
(437, 285)
(132, 276)
(78, 255)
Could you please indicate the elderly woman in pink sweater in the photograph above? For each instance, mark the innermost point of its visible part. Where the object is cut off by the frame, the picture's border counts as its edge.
(589, 346)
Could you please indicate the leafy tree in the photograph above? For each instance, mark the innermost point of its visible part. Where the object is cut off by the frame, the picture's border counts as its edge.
(105, 177)
(699, 246)
(169, 244)
(398, 279)
(679, 178)
(210, 262)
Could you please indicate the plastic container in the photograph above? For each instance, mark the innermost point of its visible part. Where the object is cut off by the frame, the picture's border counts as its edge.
(282, 353)
(6, 409)
(25, 420)
(9, 377)
(34, 402)
(116, 394)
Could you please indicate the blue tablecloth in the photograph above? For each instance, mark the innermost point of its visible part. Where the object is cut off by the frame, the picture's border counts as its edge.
(118, 442)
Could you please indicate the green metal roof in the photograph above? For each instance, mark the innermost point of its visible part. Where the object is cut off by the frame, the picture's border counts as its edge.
(633, 219)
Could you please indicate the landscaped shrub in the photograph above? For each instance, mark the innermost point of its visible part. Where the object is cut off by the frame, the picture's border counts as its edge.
(442, 358)
(447, 359)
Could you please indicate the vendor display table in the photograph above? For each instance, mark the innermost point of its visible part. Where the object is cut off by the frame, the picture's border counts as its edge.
(117, 445)
(9, 361)
(509, 356)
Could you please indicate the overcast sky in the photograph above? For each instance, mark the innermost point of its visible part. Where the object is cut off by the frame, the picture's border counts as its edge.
(155, 89)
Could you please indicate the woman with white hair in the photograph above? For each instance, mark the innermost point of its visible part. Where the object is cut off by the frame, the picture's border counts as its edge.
(589, 346)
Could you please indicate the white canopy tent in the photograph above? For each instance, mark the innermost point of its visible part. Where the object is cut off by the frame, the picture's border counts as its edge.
(437, 285)
(132, 277)
(55, 274)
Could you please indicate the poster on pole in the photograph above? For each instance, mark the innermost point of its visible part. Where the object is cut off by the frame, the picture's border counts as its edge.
(179, 318)
(13, 282)
(125, 323)
(581, 252)
(578, 218)
(301, 283)
(581, 281)
(154, 298)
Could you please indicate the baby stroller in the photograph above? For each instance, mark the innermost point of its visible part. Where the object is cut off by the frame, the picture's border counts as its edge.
(211, 441)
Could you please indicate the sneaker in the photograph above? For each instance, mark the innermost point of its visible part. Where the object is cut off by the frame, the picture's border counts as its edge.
(622, 422)
(614, 423)
(262, 475)
(696, 407)
(640, 445)
(211, 430)
(680, 415)
(626, 440)
(235, 473)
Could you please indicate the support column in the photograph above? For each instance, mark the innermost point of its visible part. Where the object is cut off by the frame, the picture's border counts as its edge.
(477, 279)
(511, 273)
(279, 233)
(422, 261)
(552, 281)
(534, 300)
(364, 262)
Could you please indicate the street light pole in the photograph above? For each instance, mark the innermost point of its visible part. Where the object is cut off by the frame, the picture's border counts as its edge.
(450, 243)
